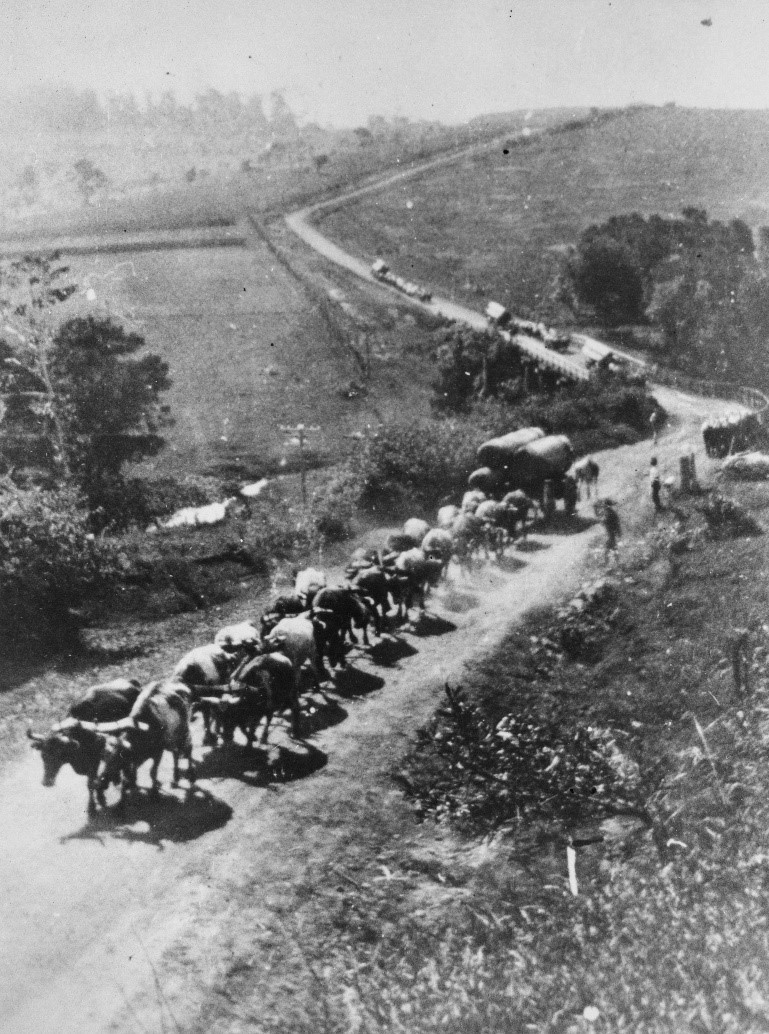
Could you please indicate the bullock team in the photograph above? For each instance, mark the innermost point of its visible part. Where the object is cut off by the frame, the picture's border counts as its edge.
(251, 672)
(732, 433)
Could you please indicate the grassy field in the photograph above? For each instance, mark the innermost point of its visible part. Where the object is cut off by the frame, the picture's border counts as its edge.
(250, 351)
(493, 226)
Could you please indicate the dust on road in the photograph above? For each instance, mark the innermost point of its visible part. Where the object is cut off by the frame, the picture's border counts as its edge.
(129, 927)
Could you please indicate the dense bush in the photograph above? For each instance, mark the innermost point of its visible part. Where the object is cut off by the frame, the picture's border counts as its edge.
(471, 363)
(485, 774)
(417, 463)
(119, 503)
(334, 506)
(599, 414)
(49, 563)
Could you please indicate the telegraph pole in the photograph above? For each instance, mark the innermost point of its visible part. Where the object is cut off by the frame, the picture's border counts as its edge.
(301, 432)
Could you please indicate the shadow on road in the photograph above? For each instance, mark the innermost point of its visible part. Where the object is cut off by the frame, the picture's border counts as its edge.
(531, 545)
(320, 712)
(261, 765)
(154, 818)
(388, 651)
(458, 602)
(352, 682)
(561, 524)
(511, 563)
(432, 624)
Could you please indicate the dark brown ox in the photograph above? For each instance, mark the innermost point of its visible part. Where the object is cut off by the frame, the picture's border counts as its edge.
(71, 743)
(263, 687)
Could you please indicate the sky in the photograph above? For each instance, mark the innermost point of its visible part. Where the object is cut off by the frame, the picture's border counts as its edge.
(339, 61)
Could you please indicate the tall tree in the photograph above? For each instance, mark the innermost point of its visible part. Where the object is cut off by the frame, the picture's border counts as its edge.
(30, 288)
(109, 396)
(80, 400)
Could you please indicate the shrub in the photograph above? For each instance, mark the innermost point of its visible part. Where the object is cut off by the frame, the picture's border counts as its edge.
(49, 563)
(417, 464)
(334, 506)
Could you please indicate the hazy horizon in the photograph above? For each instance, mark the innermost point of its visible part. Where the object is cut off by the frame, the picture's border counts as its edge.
(343, 61)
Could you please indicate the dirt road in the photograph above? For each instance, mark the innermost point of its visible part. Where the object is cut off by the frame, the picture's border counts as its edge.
(119, 926)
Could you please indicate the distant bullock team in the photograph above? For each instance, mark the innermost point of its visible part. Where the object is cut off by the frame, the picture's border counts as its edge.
(255, 670)
(732, 433)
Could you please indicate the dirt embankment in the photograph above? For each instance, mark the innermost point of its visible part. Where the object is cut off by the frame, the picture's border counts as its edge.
(133, 925)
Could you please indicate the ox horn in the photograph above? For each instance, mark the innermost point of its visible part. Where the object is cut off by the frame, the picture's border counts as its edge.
(67, 723)
(36, 737)
(109, 727)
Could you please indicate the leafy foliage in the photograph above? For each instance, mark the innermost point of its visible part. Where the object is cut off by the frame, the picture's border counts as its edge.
(606, 276)
(49, 562)
(78, 404)
(488, 775)
(420, 463)
(699, 280)
(470, 364)
(728, 519)
(111, 401)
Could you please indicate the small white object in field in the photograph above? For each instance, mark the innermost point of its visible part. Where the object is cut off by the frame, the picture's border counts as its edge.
(193, 516)
(254, 489)
(571, 863)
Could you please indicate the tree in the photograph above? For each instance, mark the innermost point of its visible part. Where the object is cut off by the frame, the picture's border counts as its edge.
(79, 402)
(607, 277)
(110, 399)
(30, 288)
(89, 179)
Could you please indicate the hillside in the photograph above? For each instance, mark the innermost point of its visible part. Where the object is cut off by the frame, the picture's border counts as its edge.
(493, 225)
(174, 170)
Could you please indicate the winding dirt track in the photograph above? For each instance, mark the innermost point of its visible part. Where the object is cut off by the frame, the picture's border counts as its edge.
(130, 926)
(102, 923)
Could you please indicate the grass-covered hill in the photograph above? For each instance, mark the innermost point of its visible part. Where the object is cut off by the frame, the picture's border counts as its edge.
(493, 225)
(170, 169)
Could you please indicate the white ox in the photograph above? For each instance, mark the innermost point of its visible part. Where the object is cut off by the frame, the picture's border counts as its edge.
(309, 581)
(242, 636)
(416, 528)
(295, 637)
(446, 516)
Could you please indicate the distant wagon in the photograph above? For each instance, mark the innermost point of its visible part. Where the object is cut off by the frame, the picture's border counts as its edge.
(732, 433)
(497, 314)
(598, 355)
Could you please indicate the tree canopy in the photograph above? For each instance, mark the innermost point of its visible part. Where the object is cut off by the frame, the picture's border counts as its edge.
(112, 412)
(698, 280)
(78, 402)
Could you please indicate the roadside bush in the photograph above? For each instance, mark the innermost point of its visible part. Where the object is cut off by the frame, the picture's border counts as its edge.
(49, 563)
(417, 464)
(334, 506)
(483, 775)
(727, 519)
